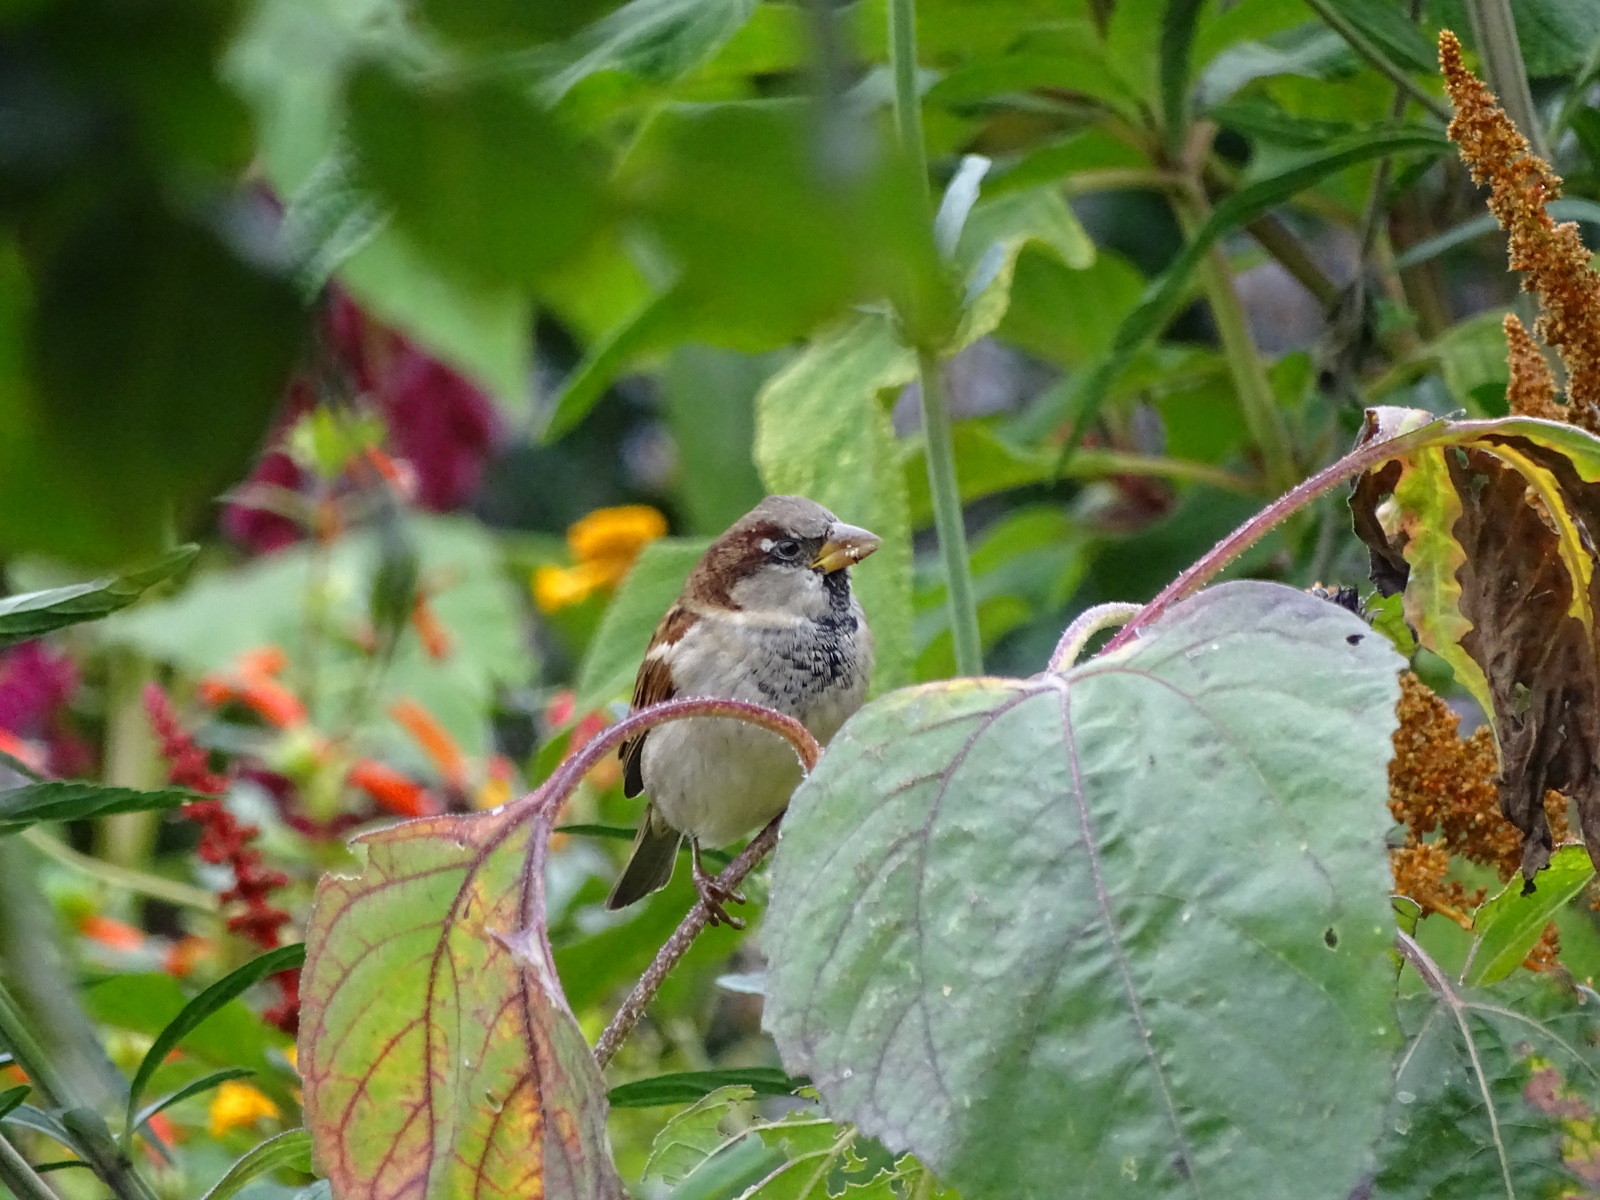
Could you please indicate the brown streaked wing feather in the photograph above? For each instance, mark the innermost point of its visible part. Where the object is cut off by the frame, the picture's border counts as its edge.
(652, 685)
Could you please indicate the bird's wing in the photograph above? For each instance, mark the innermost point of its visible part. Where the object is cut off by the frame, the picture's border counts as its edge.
(652, 685)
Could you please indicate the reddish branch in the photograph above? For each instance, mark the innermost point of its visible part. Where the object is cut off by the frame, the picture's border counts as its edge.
(225, 839)
(549, 798)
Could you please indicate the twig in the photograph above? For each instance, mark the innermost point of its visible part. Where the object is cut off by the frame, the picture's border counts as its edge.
(1242, 538)
(566, 777)
(676, 946)
(1088, 623)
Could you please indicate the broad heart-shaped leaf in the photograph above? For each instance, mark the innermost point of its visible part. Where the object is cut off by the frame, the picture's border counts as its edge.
(1490, 528)
(440, 1059)
(1495, 1088)
(34, 613)
(1127, 927)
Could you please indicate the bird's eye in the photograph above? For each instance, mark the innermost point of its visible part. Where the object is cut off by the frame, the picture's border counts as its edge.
(788, 549)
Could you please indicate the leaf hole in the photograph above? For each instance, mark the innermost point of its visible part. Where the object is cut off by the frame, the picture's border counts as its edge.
(1330, 937)
(1355, 639)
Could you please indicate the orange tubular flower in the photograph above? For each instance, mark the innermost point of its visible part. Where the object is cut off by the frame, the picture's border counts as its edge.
(394, 791)
(434, 740)
(435, 637)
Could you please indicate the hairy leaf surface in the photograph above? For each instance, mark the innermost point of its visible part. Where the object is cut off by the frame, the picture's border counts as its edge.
(1495, 1095)
(1154, 887)
(439, 1056)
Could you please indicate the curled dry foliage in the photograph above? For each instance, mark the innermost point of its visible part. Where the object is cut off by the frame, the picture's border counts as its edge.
(1491, 532)
(1552, 256)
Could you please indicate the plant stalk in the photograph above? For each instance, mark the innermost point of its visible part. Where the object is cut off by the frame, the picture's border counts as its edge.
(948, 520)
(1256, 399)
(1367, 49)
(942, 485)
(1246, 535)
(1495, 31)
(22, 1179)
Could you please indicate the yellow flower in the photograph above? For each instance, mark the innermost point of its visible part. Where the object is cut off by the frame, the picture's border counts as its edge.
(614, 536)
(238, 1105)
(605, 543)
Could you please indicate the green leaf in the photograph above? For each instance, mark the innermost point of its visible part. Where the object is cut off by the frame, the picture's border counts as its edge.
(481, 330)
(685, 1087)
(27, 1116)
(290, 1149)
(485, 180)
(641, 600)
(1178, 20)
(659, 321)
(822, 430)
(435, 1042)
(1496, 1087)
(195, 1013)
(1161, 298)
(773, 239)
(58, 801)
(1193, 827)
(657, 40)
(159, 355)
(34, 613)
(1387, 27)
(11, 1097)
(204, 1084)
(694, 1134)
(1509, 924)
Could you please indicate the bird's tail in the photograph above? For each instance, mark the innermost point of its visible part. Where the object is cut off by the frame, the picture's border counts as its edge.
(655, 852)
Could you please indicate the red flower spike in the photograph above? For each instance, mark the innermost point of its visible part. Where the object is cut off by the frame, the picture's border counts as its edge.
(225, 839)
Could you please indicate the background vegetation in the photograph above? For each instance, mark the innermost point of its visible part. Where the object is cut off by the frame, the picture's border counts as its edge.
(403, 357)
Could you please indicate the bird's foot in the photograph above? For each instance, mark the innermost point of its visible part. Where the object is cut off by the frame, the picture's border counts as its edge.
(713, 895)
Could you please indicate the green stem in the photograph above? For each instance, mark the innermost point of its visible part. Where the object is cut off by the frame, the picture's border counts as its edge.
(942, 486)
(948, 520)
(1256, 399)
(1364, 46)
(907, 100)
(16, 1174)
(155, 886)
(1495, 31)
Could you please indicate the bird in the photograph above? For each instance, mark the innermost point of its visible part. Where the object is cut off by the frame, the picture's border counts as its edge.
(766, 616)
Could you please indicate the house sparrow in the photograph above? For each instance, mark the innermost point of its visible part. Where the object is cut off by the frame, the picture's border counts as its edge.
(766, 616)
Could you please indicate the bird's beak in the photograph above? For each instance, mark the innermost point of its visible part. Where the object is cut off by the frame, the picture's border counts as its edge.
(846, 545)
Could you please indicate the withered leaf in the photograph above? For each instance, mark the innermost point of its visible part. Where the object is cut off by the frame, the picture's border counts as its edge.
(1490, 530)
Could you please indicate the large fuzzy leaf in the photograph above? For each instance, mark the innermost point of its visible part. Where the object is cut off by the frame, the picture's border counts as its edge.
(1165, 868)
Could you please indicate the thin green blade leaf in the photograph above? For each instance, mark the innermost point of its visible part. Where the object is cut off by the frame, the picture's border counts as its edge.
(685, 1087)
(33, 613)
(204, 1084)
(291, 1148)
(284, 958)
(59, 801)
(1162, 296)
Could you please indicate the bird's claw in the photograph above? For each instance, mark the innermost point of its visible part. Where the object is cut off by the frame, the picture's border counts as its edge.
(713, 895)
